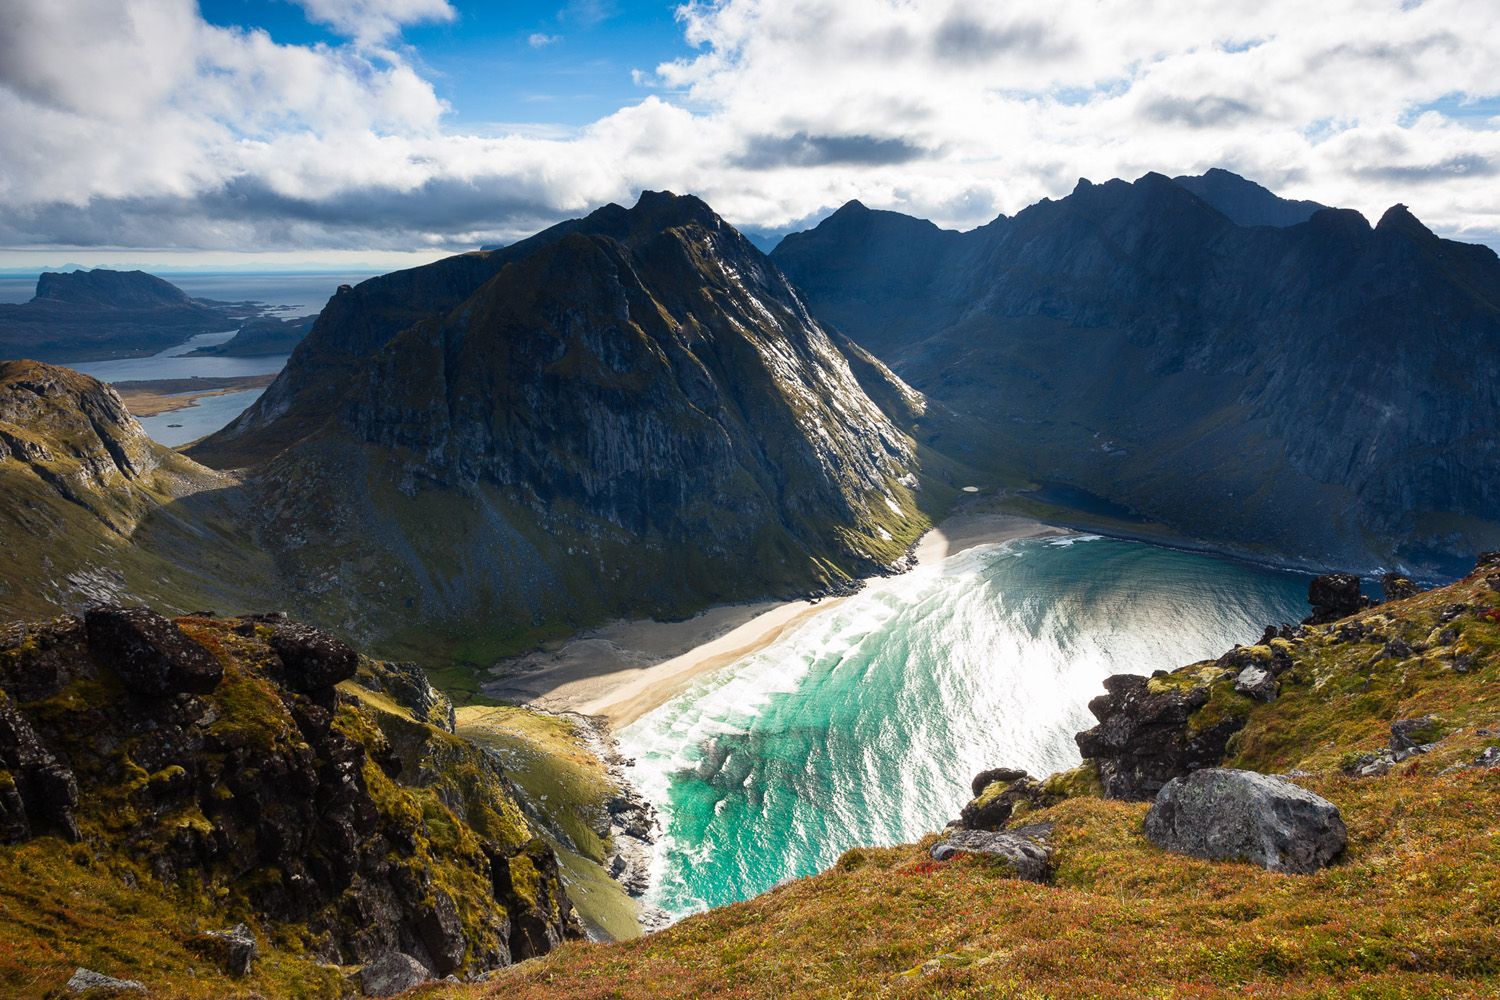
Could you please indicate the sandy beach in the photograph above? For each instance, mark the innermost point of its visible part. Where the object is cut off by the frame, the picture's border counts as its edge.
(624, 670)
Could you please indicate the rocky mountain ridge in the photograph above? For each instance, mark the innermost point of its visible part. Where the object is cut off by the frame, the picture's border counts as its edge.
(1328, 382)
(631, 413)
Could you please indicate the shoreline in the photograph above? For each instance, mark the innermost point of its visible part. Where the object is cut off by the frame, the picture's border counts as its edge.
(155, 397)
(624, 670)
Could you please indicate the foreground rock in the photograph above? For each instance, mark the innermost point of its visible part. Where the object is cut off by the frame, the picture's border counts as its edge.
(1027, 855)
(392, 974)
(150, 653)
(999, 793)
(1143, 739)
(87, 979)
(1334, 596)
(1225, 814)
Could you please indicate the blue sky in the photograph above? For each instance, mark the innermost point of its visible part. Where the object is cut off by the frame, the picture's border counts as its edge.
(503, 65)
(384, 131)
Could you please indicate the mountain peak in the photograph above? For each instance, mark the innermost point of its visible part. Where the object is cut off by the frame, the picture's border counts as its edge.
(1398, 218)
(1245, 202)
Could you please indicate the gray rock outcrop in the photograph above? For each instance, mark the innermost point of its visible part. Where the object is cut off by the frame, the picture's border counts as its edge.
(392, 974)
(1227, 814)
(1028, 856)
(87, 979)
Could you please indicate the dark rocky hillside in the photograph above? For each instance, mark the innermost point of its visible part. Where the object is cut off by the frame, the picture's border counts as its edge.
(1320, 390)
(85, 315)
(223, 773)
(631, 413)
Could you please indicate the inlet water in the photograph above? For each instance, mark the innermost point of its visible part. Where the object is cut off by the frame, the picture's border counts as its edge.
(866, 724)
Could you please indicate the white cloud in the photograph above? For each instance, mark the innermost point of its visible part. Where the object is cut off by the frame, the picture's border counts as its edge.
(371, 21)
(539, 40)
(136, 123)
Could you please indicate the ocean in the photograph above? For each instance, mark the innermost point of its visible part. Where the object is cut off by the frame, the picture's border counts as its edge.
(866, 724)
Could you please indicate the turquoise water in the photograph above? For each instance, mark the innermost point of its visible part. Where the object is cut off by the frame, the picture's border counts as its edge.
(866, 724)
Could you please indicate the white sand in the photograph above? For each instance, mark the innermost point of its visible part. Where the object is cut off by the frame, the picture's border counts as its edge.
(622, 671)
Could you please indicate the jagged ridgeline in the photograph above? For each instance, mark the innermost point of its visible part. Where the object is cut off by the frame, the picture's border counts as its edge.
(628, 413)
(1255, 371)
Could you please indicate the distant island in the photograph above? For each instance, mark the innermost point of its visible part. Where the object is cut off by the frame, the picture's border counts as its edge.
(102, 314)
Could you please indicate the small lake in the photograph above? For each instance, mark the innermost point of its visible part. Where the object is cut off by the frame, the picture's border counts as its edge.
(199, 420)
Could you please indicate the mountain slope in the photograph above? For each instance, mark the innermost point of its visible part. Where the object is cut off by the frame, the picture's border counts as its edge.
(95, 510)
(634, 415)
(1317, 391)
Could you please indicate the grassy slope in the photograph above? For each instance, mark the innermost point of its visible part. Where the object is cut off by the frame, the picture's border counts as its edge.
(1410, 910)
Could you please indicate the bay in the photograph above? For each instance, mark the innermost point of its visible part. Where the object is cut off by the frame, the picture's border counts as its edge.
(866, 724)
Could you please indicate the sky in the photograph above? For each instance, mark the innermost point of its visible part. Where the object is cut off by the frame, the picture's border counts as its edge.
(298, 132)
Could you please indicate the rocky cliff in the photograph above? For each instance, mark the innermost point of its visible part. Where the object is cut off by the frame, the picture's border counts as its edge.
(1317, 390)
(631, 414)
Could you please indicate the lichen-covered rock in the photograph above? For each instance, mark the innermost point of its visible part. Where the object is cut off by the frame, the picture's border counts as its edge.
(1028, 857)
(150, 653)
(238, 949)
(1148, 734)
(35, 781)
(393, 974)
(294, 807)
(1227, 814)
(1257, 683)
(87, 979)
(1334, 596)
(408, 686)
(1413, 734)
(1396, 587)
(983, 779)
(314, 659)
(999, 798)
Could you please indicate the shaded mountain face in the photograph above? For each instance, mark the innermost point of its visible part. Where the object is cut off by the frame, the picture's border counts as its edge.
(1319, 391)
(84, 315)
(94, 510)
(634, 413)
(1245, 202)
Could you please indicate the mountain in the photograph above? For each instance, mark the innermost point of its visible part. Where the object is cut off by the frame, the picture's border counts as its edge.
(1245, 202)
(631, 413)
(86, 315)
(96, 511)
(257, 337)
(1318, 392)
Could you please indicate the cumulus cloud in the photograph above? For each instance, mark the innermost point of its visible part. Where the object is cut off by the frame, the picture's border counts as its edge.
(371, 21)
(134, 122)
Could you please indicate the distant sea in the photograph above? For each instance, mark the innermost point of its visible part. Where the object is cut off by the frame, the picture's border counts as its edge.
(296, 294)
(866, 724)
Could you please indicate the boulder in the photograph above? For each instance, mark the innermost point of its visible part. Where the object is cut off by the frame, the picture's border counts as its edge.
(1334, 596)
(314, 660)
(87, 979)
(150, 653)
(1005, 774)
(442, 932)
(40, 783)
(1226, 814)
(239, 950)
(1143, 739)
(1397, 587)
(993, 806)
(1416, 734)
(1254, 682)
(1028, 857)
(392, 974)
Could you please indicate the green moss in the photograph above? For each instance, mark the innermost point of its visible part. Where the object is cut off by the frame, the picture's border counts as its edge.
(1081, 782)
